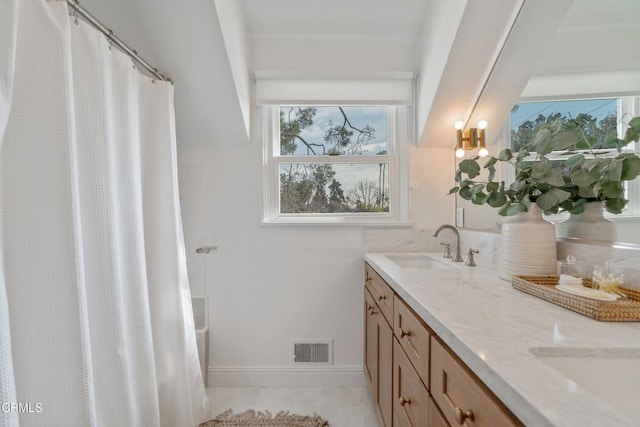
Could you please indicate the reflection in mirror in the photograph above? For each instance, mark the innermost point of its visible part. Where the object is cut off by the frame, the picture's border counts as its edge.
(591, 58)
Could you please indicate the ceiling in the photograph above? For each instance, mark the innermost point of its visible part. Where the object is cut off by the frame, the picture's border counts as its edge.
(334, 18)
(595, 36)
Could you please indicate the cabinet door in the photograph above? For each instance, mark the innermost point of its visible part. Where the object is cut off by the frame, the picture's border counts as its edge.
(378, 359)
(410, 396)
(371, 344)
(385, 370)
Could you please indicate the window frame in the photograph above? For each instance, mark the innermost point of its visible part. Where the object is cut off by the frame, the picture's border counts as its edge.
(398, 128)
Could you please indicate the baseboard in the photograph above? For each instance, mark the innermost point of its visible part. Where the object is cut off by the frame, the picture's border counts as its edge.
(286, 376)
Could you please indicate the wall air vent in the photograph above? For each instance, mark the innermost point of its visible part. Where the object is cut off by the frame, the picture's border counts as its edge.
(312, 352)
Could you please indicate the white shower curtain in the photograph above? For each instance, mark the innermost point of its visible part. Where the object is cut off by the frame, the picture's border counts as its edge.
(96, 327)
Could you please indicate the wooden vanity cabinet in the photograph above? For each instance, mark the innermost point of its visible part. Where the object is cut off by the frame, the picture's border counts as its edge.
(379, 350)
(414, 378)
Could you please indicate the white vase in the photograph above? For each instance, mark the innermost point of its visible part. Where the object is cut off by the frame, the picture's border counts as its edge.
(528, 245)
(590, 224)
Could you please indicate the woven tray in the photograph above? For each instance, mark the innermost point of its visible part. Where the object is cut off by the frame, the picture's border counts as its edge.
(544, 287)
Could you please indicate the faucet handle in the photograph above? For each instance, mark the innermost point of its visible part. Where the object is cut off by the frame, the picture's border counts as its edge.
(470, 261)
(447, 250)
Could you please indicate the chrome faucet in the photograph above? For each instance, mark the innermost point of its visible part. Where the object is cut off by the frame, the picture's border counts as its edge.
(458, 255)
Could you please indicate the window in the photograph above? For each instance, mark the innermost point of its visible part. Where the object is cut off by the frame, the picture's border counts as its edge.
(341, 163)
(597, 116)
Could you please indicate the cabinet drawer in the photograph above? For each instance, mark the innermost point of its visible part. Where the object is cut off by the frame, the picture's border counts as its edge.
(413, 336)
(461, 396)
(410, 396)
(381, 292)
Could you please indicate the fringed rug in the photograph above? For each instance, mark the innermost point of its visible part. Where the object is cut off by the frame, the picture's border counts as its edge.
(264, 419)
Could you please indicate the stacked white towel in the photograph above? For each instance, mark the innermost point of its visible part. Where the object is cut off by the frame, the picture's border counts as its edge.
(566, 279)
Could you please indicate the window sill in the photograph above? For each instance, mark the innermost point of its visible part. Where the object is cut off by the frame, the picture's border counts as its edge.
(315, 221)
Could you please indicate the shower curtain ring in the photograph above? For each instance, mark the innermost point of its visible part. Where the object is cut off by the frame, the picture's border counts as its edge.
(109, 36)
(75, 12)
(133, 59)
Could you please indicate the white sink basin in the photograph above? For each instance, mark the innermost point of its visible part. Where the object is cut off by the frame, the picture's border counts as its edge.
(611, 374)
(421, 261)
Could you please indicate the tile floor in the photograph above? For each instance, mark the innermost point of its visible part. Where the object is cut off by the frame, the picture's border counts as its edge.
(341, 406)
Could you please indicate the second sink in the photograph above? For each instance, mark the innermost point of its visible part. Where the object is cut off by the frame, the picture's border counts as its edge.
(611, 374)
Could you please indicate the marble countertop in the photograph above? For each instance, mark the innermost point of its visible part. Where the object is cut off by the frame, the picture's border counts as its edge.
(492, 328)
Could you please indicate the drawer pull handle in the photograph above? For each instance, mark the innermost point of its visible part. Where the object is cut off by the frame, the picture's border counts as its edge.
(381, 297)
(404, 401)
(404, 333)
(373, 311)
(461, 415)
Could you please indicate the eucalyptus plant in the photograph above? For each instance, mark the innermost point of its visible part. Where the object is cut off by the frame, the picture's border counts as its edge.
(587, 172)
(596, 168)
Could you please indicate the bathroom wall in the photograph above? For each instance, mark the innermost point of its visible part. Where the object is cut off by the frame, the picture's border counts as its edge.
(268, 284)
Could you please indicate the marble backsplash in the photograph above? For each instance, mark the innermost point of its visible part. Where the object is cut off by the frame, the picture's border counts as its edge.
(488, 243)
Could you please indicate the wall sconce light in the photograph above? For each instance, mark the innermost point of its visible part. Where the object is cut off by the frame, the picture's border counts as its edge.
(472, 138)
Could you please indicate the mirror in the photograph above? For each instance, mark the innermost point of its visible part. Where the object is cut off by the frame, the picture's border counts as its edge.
(591, 55)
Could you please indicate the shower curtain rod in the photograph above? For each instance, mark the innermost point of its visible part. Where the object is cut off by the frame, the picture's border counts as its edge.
(75, 5)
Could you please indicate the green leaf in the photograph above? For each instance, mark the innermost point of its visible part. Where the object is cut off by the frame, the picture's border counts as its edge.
(454, 190)
(556, 125)
(615, 206)
(574, 160)
(634, 124)
(591, 164)
(553, 178)
(522, 154)
(582, 177)
(565, 140)
(492, 186)
(526, 202)
(542, 135)
(544, 148)
(492, 174)
(630, 168)
(496, 199)
(518, 185)
(505, 155)
(576, 209)
(470, 167)
(540, 169)
(582, 144)
(612, 189)
(504, 209)
(515, 209)
(589, 191)
(551, 198)
(458, 176)
(490, 162)
(479, 198)
(611, 139)
(466, 182)
(465, 193)
(477, 188)
(614, 172)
